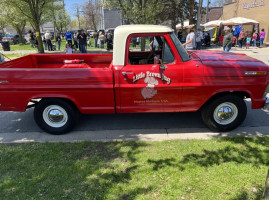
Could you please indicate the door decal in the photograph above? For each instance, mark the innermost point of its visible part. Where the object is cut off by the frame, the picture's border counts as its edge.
(149, 91)
(151, 74)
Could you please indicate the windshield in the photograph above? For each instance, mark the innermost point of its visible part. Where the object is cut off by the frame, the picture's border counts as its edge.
(182, 52)
(10, 35)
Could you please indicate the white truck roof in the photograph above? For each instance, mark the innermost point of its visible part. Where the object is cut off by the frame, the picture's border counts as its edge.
(121, 34)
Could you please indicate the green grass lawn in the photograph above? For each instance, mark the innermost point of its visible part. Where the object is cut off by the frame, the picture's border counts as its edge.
(15, 55)
(22, 47)
(229, 168)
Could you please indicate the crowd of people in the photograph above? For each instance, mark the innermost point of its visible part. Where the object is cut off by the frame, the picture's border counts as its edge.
(243, 38)
(194, 40)
(82, 39)
(76, 41)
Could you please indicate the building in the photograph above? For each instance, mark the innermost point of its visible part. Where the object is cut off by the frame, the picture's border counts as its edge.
(251, 9)
(48, 26)
(109, 18)
(214, 13)
(112, 18)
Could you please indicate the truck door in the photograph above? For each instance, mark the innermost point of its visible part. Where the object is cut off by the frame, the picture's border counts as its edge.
(151, 80)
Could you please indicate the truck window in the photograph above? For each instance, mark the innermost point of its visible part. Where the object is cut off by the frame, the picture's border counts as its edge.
(149, 50)
(181, 51)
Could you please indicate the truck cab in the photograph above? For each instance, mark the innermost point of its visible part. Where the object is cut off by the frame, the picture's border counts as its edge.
(149, 72)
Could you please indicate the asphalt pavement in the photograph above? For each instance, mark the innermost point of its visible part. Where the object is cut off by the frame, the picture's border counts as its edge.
(20, 127)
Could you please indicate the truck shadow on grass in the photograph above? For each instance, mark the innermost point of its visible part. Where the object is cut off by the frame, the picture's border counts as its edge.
(70, 171)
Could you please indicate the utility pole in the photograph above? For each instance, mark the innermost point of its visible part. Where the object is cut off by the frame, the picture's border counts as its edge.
(199, 14)
(78, 15)
(207, 10)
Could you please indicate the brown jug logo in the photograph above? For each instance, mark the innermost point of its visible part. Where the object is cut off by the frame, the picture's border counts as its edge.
(150, 79)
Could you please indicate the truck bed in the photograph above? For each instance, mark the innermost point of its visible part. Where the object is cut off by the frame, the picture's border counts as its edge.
(89, 84)
(58, 61)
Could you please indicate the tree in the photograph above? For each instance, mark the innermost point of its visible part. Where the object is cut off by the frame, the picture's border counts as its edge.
(62, 21)
(58, 15)
(137, 11)
(12, 18)
(33, 10)
(91, 13)
(192, 3)
(3, 21)
(179, 10)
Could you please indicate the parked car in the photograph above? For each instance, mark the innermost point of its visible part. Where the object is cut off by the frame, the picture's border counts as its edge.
(12, 39)
(101, 30)
(1, 36)
(163, 78)
(111, 30)
(90, 33)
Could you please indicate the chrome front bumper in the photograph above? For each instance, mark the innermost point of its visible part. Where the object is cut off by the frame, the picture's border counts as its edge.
(266, 105)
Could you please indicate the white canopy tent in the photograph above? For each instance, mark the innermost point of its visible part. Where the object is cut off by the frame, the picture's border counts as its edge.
(185, 25)
(239, 21)
(213, 23)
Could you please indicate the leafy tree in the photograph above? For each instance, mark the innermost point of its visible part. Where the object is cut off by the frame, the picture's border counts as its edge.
(62, 21)
(15, 20)
(179, 11)
(137, 11)
(3, 21)
(58, 15)
(33, 10)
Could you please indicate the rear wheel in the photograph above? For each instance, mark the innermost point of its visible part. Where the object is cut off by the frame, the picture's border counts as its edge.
(224, 113)
(55, 116)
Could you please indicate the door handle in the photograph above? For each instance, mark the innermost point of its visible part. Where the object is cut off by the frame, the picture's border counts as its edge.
(127, 73)
(163, 67)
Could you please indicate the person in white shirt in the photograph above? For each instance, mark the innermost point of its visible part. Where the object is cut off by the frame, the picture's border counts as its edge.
(199, 37)
(48, 40)
(190, 40)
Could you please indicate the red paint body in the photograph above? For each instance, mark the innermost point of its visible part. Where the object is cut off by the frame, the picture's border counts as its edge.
(96, 86)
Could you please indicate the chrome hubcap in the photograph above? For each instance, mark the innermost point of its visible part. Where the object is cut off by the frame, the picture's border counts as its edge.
(55, 116)
(225, 113)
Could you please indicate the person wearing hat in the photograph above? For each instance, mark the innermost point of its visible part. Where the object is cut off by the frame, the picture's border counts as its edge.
(228, 39)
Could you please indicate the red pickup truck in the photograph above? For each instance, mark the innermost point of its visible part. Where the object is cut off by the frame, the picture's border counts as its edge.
(150, 71)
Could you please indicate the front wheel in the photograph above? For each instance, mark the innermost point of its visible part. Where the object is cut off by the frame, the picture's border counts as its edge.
(55, 116)
(224, 113)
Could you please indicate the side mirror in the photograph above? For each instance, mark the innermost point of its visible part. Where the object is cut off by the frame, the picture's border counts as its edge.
(162, 66)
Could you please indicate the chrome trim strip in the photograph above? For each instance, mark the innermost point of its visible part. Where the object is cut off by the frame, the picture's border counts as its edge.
(3, 82)
(256, 73)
